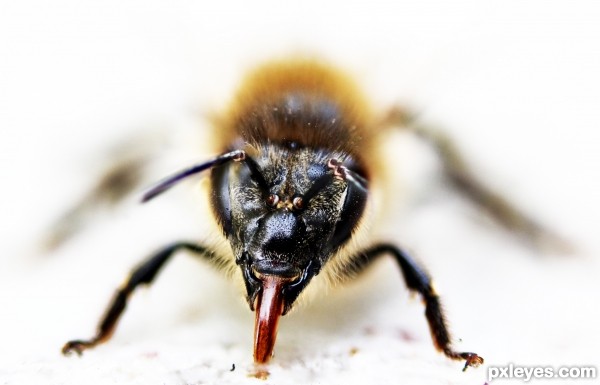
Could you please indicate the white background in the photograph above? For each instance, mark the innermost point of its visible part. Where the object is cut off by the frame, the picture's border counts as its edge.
(517, 83)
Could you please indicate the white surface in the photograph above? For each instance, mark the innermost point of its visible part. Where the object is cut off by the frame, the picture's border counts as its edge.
(517, 84)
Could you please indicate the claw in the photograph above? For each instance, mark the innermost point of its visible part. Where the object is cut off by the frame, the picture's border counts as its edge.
(76, 346)
(472, 360)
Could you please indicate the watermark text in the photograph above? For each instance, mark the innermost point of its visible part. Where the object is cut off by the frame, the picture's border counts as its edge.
(527, 373)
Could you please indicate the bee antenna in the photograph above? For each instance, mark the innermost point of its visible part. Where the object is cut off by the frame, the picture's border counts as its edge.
(344, 173)
(172, 180)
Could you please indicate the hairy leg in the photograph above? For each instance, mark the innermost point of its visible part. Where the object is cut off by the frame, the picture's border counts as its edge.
(462, 178)
(144, 274)
(418, 280)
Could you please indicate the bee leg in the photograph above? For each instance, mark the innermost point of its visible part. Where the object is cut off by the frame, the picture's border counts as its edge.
(418, 280)
(462, 178)
(126, 170)
(142, 274)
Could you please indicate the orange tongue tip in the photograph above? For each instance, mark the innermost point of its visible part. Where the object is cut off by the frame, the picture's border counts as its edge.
(268, 311)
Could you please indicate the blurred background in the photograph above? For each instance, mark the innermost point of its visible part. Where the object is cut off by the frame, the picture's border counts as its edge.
(515, 83)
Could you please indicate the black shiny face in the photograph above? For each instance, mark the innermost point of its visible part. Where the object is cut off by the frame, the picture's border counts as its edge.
(285, 212)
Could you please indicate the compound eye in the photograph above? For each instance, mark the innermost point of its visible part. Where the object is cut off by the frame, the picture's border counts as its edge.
(272, 200)
(298, 203)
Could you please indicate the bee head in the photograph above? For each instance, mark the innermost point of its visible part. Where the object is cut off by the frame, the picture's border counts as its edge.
(285, 215)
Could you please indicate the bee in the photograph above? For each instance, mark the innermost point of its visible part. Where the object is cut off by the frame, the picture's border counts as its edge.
(293, 189)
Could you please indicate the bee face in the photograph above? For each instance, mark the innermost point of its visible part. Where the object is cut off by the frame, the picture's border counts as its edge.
(285, 215)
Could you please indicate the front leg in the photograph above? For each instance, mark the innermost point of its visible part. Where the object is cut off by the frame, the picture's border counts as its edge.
(418, 280)
(142, 274)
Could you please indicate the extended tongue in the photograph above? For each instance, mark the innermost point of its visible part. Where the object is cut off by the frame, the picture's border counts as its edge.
(268, 310)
